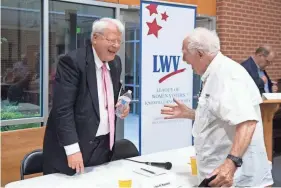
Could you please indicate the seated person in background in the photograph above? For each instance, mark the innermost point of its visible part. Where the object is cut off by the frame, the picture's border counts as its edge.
(18, 71)
(256, 64)
(16, 90)
(19, 78)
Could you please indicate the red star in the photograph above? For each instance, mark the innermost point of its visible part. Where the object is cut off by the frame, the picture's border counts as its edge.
(152, 9)
(153, 28)
(164, 16)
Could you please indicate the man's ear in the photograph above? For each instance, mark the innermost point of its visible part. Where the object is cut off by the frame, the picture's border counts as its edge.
(200, 53)
(94, 38)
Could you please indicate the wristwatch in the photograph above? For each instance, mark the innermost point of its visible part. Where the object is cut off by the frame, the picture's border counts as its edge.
(236, 160)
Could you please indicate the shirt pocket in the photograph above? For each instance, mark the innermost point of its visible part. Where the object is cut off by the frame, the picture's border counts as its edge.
(204, 115)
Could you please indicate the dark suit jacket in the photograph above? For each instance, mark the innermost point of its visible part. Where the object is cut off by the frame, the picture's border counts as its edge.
(252, 69)
(75, 113)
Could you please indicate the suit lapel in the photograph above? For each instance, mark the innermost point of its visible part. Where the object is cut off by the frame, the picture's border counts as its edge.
(254, 68)
(254, 65)
(92, 78)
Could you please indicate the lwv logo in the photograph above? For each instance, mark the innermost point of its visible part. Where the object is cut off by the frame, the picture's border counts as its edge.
(164, 63)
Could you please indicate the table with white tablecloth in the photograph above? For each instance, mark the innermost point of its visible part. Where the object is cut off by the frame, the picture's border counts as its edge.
(107, 175)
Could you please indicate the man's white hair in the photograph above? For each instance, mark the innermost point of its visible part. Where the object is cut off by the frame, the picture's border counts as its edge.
(203, 39)
(101, 24)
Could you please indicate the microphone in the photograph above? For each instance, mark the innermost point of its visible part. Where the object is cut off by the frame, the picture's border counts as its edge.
(166, 165)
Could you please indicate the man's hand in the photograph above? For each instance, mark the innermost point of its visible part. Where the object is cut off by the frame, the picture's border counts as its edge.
(225, 174)
(264, 79)
(274, 87)
(126, 110)
(75, 161)
(180, 110)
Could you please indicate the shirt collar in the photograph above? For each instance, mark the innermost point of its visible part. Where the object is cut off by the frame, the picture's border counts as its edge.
(98, 62)
(212, 66)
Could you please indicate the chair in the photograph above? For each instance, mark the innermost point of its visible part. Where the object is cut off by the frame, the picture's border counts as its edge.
(124, 149)
(32, 163)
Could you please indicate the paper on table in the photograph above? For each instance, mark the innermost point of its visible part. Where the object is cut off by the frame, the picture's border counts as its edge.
(271, 96)
(151, 177)
(165, 180)
(148, 171)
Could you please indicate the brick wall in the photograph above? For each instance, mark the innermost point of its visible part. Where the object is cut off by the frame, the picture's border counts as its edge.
(243, 25)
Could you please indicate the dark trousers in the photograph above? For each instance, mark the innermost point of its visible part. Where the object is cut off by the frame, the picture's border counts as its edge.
(100, 154)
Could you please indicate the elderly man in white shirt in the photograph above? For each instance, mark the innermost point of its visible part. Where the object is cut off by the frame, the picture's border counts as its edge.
(228, 130)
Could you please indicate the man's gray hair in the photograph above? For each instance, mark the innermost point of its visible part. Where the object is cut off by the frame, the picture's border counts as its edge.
(264, 50)
(101, 24)
(203, 39)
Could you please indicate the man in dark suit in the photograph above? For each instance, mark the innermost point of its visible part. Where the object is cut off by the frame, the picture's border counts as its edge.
(81, 126)
(256, 64)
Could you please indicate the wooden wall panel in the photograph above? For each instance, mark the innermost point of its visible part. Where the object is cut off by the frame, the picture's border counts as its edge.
(109, 1)
(207, 7)
(14, 146)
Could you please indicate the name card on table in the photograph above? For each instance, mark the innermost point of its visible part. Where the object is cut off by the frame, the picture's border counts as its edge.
(271, 96)
(161, 181)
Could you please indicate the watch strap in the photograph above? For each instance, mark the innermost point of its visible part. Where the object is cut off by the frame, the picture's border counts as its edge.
(236, 160)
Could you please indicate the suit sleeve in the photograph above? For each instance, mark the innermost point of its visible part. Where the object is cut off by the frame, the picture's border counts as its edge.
(119, 64)
(119, 69)
(65, 91)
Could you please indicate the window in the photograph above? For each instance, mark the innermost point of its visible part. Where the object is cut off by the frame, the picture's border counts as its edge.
(132, 60)
(131, 19)
(70, 27)
(20, 59)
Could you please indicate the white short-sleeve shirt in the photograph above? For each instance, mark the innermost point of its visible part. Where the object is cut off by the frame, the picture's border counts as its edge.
(229, 97)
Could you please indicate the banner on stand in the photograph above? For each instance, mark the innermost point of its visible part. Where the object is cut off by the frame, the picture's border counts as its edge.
(164, 75)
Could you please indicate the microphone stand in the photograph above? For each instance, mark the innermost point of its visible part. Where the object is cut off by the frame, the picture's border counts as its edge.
(135, 161)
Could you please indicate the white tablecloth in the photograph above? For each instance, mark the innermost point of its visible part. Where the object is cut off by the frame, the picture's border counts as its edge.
(107, 175)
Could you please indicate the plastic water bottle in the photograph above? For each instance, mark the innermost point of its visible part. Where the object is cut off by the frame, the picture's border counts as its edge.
(124, 100)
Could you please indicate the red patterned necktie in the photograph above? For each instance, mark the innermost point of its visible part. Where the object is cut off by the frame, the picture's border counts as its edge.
(109, 103)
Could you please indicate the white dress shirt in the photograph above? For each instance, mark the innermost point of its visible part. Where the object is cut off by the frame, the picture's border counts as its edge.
(229, 97)
(104, 123)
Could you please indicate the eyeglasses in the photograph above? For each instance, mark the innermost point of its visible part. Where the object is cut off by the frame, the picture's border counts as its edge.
(267, 61)
(111, 41)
